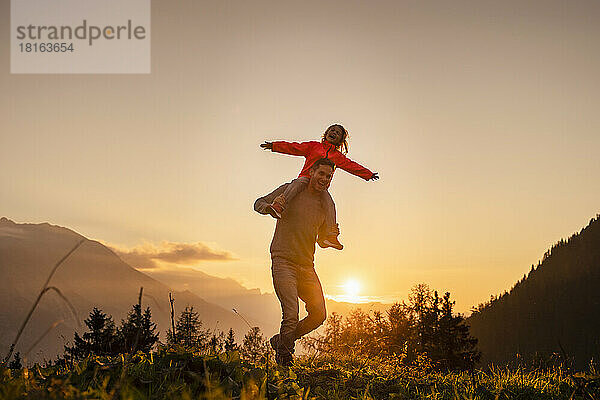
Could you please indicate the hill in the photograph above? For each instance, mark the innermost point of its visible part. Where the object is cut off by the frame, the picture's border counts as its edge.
(93, 276)
(557, 303)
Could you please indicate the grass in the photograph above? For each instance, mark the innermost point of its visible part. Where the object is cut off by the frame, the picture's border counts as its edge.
(180, 374)
(184, 375)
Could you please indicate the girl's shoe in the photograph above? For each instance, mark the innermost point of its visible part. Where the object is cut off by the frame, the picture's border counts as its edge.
(332, 241)
(275, 210)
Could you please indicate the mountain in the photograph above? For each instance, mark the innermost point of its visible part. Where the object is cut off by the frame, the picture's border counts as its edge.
(250, 303)
(93, 276)
(556, 304)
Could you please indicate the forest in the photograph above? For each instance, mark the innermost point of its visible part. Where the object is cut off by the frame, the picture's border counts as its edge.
(552, 311)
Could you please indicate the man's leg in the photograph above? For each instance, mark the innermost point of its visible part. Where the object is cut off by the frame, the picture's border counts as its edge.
(311, 293)
(285, 283)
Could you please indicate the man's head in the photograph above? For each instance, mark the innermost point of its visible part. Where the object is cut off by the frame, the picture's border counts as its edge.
(321, 173)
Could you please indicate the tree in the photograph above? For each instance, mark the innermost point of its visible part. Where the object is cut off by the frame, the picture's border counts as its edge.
(99, 340)
(423, 305)
(137, 332)
(230, 343)
(400, 323)
(16, 362)
(215, 343)
(424, 326)
(456, 348)
(331, 340)
(188, 330)
(254, 346)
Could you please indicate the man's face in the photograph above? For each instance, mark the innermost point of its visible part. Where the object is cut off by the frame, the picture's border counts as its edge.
(320, 178)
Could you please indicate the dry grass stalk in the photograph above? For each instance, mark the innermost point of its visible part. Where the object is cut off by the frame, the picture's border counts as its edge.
(44, 289)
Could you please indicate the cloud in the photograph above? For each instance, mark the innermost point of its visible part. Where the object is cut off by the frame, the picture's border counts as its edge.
(150, 255)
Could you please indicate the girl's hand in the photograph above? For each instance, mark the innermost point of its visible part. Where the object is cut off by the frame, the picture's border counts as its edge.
(374, 177)
(267, 145)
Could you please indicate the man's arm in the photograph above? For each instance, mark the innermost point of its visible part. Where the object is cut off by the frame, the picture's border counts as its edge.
(323, 233)
(260, 205)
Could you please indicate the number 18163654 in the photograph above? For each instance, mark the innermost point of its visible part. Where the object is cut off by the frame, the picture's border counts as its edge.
(46, 47)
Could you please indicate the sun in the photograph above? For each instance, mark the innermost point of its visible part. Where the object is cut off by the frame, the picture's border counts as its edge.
(352, 288)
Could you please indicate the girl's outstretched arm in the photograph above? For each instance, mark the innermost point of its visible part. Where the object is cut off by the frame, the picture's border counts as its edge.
(267, 145)
(292, 148)
(353, 167)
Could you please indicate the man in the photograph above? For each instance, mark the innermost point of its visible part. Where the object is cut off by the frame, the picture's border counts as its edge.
(292, 256)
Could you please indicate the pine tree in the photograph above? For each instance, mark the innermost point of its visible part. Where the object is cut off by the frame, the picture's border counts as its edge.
(398, 337)
(137, 332)
(230, 343)
(421, 301)
(16, 362)
(215, 343)
(254, 346)
(188, 330)
(99, 340)
(454, 347)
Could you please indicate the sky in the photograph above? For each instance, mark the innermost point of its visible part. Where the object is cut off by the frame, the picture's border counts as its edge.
(479, 116)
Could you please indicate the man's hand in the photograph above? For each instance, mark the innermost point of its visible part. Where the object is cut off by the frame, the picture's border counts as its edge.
(280, 200)
(267, 145)
(335, 231)
(374, 177)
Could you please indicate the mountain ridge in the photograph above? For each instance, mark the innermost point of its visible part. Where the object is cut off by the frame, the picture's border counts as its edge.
(555, 307)
(93, 276)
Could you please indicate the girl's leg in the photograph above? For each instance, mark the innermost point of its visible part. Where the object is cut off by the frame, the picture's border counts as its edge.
(293, 188)
(330, 214)
(275, 209)
(331, 226)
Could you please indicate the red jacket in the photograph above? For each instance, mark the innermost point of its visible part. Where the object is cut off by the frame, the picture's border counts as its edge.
(313, 151)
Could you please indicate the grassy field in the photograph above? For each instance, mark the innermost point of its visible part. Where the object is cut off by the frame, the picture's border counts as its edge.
(173, 375)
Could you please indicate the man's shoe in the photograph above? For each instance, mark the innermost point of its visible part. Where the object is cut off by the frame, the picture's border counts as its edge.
(274, 341)
(332, 241)
(282, 357)
(285, 360)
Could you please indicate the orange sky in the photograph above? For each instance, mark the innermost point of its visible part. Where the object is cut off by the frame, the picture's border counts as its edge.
(481, 118)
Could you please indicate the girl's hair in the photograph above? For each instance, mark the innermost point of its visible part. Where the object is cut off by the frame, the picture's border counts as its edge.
(343, 145)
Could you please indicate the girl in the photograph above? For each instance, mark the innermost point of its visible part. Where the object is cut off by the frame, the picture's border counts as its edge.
(334, 139)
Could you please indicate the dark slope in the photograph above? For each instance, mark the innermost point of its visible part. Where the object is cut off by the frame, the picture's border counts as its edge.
(558, 302)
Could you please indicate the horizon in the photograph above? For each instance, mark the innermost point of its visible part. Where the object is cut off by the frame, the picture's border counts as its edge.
(350, 295)
(479, 117)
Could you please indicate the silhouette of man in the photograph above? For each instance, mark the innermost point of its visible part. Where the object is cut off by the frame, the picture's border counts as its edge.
(292, 258)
